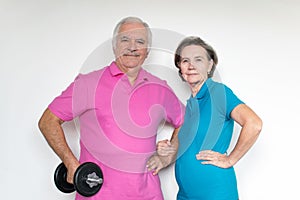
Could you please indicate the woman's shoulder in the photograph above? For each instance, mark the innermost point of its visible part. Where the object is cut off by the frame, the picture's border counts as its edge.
(217, 84)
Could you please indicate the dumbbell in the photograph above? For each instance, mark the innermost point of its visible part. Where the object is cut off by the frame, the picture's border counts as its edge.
(88, 179)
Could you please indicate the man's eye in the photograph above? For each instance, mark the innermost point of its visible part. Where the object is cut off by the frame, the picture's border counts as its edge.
(140, 41)
(124, 39)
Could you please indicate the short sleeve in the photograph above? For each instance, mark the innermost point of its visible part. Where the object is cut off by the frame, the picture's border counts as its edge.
(174, 108)
(61, 106)
(231, 101)
(73, 101)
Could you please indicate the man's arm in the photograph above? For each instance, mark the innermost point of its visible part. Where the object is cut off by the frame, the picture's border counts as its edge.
(50, 126)
(166, 147)
(166, 153)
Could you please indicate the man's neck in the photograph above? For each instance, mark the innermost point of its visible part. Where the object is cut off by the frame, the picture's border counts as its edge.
(131, 72)
(132, 75)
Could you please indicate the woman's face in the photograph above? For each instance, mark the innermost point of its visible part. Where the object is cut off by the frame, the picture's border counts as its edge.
(195, 64)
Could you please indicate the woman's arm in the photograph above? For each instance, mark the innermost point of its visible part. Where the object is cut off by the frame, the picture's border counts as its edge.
(251, 127)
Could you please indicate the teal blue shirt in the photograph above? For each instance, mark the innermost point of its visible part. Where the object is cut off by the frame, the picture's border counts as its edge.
(207, 126)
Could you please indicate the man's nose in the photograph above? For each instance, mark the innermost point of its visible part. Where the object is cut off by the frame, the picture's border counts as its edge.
(132, 45)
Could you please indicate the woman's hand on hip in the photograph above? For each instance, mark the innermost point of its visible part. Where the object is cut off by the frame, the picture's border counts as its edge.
(210, 157)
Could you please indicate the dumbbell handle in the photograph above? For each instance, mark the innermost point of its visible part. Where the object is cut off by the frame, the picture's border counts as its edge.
(94, 180)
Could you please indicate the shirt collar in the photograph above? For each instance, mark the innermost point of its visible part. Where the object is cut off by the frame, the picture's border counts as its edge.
(143, 75)
(205, 87)
(115, 71)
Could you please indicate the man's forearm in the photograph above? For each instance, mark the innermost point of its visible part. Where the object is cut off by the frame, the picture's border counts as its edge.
(51, 128)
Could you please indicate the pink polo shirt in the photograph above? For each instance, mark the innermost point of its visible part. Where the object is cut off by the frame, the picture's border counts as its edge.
(118, 127)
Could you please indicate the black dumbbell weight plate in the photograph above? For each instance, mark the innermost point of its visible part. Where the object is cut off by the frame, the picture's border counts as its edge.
(80, 179)
(60, 179)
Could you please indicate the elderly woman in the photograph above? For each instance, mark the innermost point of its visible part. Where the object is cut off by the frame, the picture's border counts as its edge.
(204, 169)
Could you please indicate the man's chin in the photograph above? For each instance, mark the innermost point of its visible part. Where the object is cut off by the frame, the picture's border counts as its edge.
(131, 64)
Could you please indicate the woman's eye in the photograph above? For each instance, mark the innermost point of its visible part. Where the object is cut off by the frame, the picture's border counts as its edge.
(184, 61)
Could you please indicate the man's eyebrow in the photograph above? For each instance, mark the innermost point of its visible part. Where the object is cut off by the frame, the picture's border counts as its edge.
(199, 56)
(124, 36)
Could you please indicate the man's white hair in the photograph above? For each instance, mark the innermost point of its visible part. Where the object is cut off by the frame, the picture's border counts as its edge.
(131, 20)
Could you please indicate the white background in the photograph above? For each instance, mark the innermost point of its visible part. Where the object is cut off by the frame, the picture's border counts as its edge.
(44, 44)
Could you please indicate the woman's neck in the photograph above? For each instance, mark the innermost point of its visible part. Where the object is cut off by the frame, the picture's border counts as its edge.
(195, 87)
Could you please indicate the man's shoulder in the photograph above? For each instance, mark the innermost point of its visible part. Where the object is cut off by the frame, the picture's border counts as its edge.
(154, 78)
(93, 74)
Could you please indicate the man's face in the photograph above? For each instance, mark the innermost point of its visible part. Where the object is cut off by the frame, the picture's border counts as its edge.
(131, 46)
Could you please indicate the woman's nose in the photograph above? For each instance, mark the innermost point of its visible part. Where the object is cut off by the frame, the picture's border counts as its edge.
(191, 66)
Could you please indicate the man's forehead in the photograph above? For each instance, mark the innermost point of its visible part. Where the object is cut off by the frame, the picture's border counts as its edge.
(132, 28)
(136, 33)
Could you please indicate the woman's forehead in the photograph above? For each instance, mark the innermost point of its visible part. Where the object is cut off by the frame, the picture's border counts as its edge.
(193, 50)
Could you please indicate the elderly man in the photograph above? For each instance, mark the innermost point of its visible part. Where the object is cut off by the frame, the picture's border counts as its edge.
(120, 108)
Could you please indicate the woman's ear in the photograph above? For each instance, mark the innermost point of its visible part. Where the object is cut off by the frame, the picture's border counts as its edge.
(211, 63)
